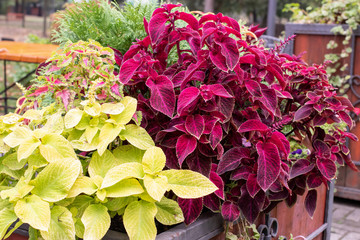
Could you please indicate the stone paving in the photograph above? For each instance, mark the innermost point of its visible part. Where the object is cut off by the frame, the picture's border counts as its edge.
(345, 220)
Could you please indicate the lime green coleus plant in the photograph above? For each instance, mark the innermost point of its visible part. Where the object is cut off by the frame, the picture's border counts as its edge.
(67, 171)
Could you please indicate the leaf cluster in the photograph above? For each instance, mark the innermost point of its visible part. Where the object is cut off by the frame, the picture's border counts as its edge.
(332, 12)
(108, 24)
(67, 171)
(227, 109)
(82, 69)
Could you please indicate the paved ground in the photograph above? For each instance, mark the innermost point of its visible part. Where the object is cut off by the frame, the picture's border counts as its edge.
(13, 28)
(345, 220)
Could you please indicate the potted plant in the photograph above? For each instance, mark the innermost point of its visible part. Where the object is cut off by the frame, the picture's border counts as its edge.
(228, 108)
(334, 29)
(75, 156)
(212, 98)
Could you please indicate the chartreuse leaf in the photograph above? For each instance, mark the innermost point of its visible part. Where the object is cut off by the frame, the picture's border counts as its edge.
(80, 203)
(7, 217)
(19, 135)
(55, 180)
(27, 147)
(82, 184)
(93, 109)
(3, 147)
(115, 204)
(139, 220)
(156, 186)
(84, 122)
(83, 145)
(79, 228)
(21, 189)
(65, 202)
(33, 114)
(73, 117)
(153, 160)
(130, 105)
(188, 184)
(145, 196)
(36, 160)
(34, 211)
(108, 133)
(14, 228)
(54, 147)
(101, 194)
(55, 124)
(11, 162)
(122, 171)
(34, 234)
(137, 136)
(112, 108)
(100, 165)
(90, 133)
(96, 220)
(128, 153)
(61, 225)
(124, 188)
(169, 212)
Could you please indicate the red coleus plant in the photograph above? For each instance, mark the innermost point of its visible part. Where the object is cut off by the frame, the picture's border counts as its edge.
(227, 107)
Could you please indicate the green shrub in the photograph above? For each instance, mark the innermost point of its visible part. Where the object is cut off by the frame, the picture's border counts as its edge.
(108, 24)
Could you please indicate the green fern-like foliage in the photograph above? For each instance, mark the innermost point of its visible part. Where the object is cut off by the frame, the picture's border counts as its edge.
(108, 24)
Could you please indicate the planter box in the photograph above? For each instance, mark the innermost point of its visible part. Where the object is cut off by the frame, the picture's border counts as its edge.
(207, 226)
(313, 39)
(296, 221)
(211, 226)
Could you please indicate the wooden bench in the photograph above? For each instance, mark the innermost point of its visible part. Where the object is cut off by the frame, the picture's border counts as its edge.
(14, 16)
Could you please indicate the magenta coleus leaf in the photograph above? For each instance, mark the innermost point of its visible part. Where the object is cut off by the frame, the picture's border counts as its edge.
(209, 123)
(216, 179)
(268, 164)
(127, 70)
(185, 145)
(242, 172)
(219, 90)
(190, 19)
(118, 56)
(230, 211)
(157, 26)
(310, 202)
(327, 167)
(231, 159)
(300, 167)
(191, 209)
(162, 94)
(253, 125)
(230, 51)
(314, 180)
(212, 202)
(303, 112)
(187, 99)
(195, 125)
(269, 100)
(199, 163)
(216, 135)
(218, 59)
(346, 118)
(322, 149)
(252, 185)
(254, 88)
(248, 205)
(281, 142)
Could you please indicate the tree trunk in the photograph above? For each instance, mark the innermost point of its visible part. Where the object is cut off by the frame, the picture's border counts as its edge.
(208, 6)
